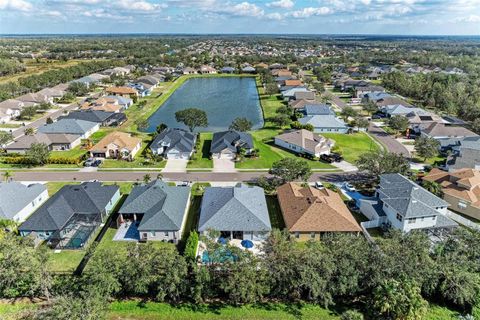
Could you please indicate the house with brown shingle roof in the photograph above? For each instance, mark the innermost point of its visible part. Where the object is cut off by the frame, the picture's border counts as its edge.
(293, 83)
(304, 142)
(126, 92)
(460, 188)
(309, 213)
(117, 145)
(441, 131)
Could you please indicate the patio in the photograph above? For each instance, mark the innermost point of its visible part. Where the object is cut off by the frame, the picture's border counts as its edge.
(127, 231)
(256, 249)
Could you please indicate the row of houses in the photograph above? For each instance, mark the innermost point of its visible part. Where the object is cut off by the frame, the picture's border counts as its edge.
(157, 211)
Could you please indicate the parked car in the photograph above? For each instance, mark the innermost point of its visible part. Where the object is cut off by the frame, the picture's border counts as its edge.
(92, 162)
(337, 157)
(319, 185)
(183, 184)
(379, 116)
(327, 158)
(349, 187)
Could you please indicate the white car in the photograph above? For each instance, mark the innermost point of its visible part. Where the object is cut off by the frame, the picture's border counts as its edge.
(319, 185)
(349, 187)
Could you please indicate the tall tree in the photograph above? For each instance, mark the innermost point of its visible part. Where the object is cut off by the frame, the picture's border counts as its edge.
(378, 162)
(348, 112)
(192, 118)
(241, 124)
(38, 154)
(290, 169)
(398, 123)
(426, 147)
(5, 138)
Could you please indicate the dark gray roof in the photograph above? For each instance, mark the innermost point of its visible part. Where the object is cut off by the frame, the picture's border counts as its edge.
(163, 206)
(230, 140)
(174, 138)
(240, 208)
(89, 115)
(71, 126)
(15, 196)
(407, 197)
(466, 158)
(86, 198)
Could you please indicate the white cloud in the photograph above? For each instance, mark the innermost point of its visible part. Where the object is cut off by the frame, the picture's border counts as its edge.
(16, 5)
(285, 4)
(471, 18)
(243, 9)
(310, 11)
(144, 6)
(274, 16)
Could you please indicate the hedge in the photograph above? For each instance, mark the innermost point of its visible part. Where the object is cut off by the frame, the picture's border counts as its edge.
(191, 246)
(24, 160)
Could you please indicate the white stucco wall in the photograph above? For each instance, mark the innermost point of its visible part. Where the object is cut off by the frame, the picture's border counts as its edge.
(23, 214)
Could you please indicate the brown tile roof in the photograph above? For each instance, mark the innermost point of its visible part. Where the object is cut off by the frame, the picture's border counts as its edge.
(121, 139)
(299, 104)
(463, 184)
(390, 101)
(122, 90)
(306, 209)
(293, 82)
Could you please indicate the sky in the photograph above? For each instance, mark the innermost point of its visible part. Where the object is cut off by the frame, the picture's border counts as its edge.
(398, 17)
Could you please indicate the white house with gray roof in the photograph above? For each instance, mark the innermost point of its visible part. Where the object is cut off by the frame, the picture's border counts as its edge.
(404, 205)
(238, 212)
(226, 144)
(174, 143)
(19, 201)
(325, 123)
(159, 210)
(82, 128)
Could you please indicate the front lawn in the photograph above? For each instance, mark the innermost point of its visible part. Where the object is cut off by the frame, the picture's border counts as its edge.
(74, 153)
(269, 153)
(352, 145)
(138, 162)
(201, 158)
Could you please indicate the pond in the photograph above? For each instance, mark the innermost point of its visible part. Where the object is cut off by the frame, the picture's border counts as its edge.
(223, 99)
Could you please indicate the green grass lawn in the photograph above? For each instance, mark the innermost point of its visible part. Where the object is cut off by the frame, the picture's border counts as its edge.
(274, 212)
(133, 310)
(74, 153)
(138, 162)
(269, 153)
(202, 155)
(65, 260)
(352, 145)
(107, 242)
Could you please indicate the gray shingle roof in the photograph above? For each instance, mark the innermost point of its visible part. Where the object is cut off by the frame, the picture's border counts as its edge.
(318, 109)
(86, 198)
(323, 121)
(407, 197)
(89, 115)
(174, 138)
(240, 208)
(163, 206)
(71, 126)
(230, 140)
(15, 196)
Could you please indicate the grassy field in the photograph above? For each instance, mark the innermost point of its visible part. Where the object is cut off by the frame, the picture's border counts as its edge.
(202, 155)
(160, 311)
(38, 67)
(65, 260)
(353, 145)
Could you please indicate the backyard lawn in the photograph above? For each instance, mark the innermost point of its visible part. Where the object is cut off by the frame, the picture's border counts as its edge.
(352, 145)
(202, 155)
(65, 260)
(274, 212)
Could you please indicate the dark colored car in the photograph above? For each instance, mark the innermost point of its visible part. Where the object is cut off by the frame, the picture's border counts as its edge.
(327, 158)
(337, 157)
(379, 116)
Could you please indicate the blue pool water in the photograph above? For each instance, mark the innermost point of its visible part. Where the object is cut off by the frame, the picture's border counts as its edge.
(223, 99)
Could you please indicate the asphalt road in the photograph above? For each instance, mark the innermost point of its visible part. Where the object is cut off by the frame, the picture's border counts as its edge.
(388, 141)
(192, 176)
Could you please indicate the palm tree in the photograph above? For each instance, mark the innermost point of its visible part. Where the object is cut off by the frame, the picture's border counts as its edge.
(29, 131)
(7, 175)
(147, 178)
(433, 187)
(159, 176)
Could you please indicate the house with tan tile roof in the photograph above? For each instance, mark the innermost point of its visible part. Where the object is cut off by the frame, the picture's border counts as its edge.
(117, 145)
(127, 92)
(309, 213)
(460, 188)
(304, 142)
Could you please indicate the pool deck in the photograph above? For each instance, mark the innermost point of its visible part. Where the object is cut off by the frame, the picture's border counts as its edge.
(127, 231)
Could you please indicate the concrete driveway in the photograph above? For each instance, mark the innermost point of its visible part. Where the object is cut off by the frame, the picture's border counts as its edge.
(223, 165)
(345, 166)
(388, 141)
(176, 165)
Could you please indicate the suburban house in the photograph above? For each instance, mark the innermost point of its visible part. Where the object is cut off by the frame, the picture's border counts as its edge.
(92, 79)
(126, 92)
(158, 209)
(300, 104)
(304, 142)
(143, 89)
(325, 123)
(402, 204)
(205, 69)
(189, 70)
(420, 119)
(54, 141)
(108, 104)
(30, 99)
(317, 110)
(105, 119)
(227, 70)
(375, 96)
(52, 93)
(461, 189)
(227, 144)
(442, 131)
(398, 110)
(466, 154)
(304, 95)
(174, 143)
(391, 101)
(238, 212)
(361, 91)
(19, 201)
(10, 109)
(70, 217)
(71, 126)
(310, 213)
(117, 145)
(290, 93)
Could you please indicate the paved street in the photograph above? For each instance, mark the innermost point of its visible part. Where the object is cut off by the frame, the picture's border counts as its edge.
(388, 141)
(191, 176)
